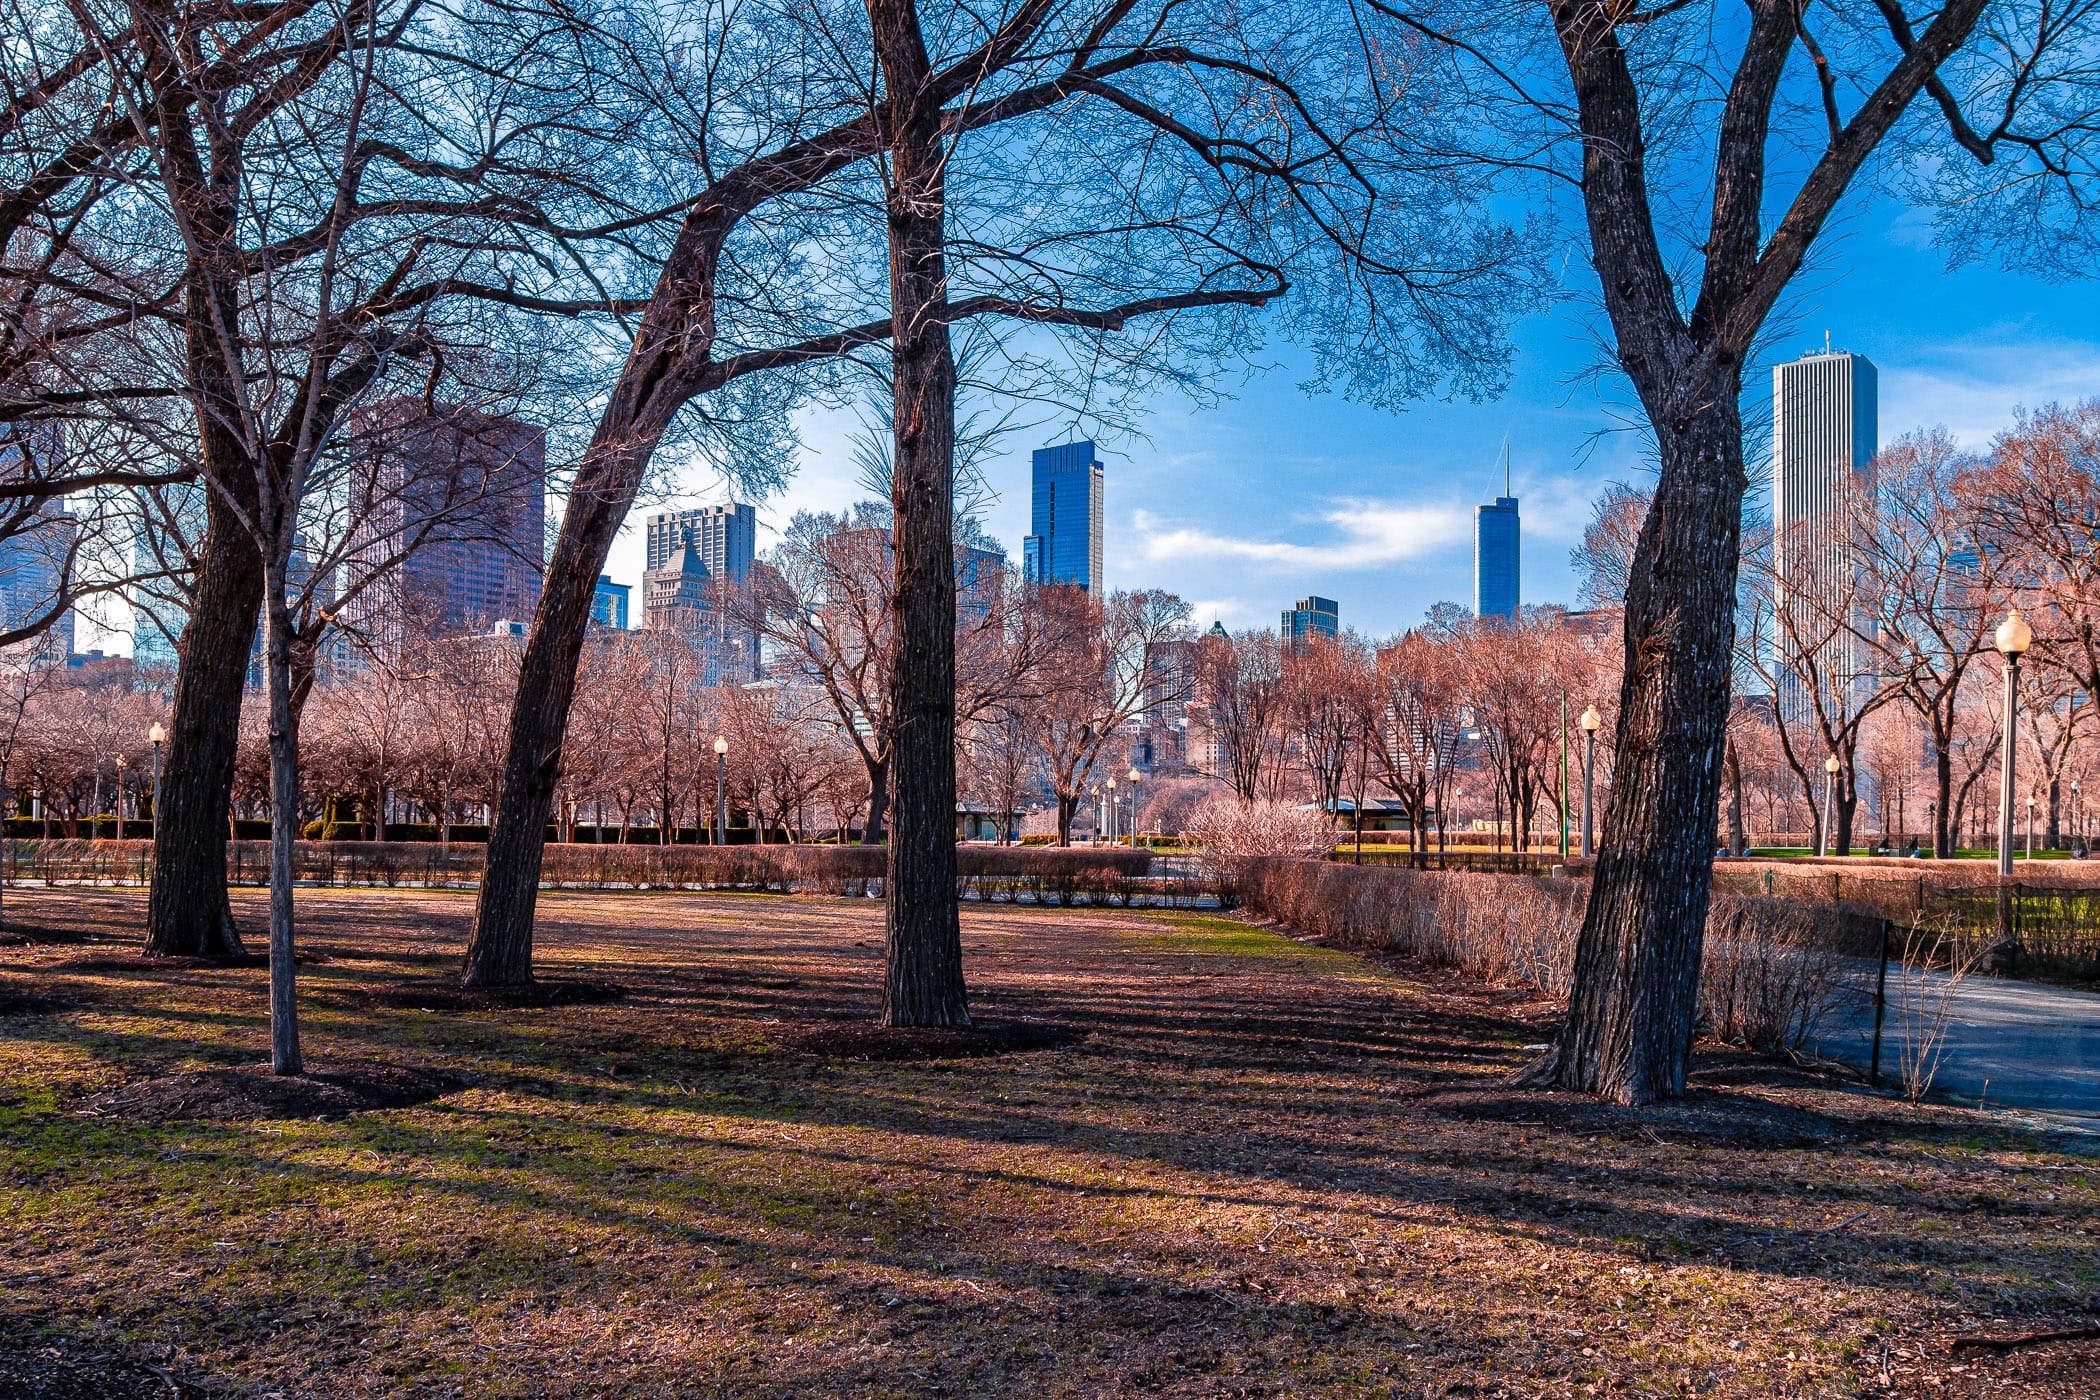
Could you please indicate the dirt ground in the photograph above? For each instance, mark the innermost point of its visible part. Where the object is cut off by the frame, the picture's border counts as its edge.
(1206, 1160)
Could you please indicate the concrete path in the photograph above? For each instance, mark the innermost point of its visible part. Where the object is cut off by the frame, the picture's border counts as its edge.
(2015, 1044)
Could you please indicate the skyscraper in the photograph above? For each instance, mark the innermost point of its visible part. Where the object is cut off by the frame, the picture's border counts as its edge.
(1064, 544)
(1825, 432)
(36, 557)
(724, 539)
(980, 576)
(609, 604)
(1496, 577)
(696, 559)
(1310, 617)
(163, 557)
(459, 498)
(34, 563)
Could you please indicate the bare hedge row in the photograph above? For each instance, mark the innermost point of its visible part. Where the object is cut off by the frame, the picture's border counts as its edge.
(1771, 971)
(1060, 874)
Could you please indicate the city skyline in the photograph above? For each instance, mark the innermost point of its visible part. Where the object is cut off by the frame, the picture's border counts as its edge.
(1270, 494)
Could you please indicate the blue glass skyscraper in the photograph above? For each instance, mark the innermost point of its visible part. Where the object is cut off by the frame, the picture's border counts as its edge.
(1064, 543)
(1496, 580)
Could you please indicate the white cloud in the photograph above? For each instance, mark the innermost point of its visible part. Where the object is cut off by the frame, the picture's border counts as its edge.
(1972, 387)
(1367, 534)
(1235, 613)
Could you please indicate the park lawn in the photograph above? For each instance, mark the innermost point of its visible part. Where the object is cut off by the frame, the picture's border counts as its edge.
(1263, 1168)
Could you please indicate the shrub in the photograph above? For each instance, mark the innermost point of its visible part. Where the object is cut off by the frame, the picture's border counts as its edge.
(1227, 834)
(1771, 970)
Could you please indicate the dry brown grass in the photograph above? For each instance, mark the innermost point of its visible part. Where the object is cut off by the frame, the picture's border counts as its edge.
(1267, 1168)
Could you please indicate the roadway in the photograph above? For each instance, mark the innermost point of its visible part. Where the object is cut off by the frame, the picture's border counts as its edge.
(2011, 1044)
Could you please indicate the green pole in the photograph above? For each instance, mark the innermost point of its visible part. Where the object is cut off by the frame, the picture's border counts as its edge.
(1564, 775)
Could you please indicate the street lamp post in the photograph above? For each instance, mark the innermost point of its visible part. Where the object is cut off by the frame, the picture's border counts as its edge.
(1932, 820)
(1591, 723)
(1111, 811)
(159, 736)
(721, 790)
(123, 763)
(2012, 639)
(2030, 828)
(1135, 778)
(1830, 783)
(2077, 826)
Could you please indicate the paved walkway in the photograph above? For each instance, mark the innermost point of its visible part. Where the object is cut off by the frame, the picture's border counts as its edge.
(2015, 1044)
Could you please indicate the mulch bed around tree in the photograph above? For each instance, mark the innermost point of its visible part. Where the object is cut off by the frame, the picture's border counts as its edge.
(252, 1091)
(436, 994)
(871, 1040)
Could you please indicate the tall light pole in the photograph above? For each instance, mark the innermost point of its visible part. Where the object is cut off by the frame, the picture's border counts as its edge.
(2013, 638)
(1932, 820)
(1591, 723)
(123, 763)
(2077, 827)
(1135, 778)
(1111, 811)
(2028, 856)
(159, 736)
(1830, 784)
(721, 790)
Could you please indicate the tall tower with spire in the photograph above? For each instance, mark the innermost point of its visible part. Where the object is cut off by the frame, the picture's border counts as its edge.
(1497, 535)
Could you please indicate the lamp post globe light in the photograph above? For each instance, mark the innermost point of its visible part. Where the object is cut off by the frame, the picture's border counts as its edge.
(1932, 821)
(1591, 723)
(2030, 828)
(123, 763)
(159, 736)
(1830, 779)
(1111, 811)
(1135, 778)
(721, 791)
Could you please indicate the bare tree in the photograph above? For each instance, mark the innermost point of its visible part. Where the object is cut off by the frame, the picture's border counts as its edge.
(1098, 674)
(1664, 113)
(1236, 712)
(1124, 174)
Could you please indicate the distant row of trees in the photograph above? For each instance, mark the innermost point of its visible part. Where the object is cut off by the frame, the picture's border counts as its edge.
(1893, 671)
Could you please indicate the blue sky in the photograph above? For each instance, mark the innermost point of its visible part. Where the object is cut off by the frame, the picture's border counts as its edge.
(1245, 506)
(1272, 494)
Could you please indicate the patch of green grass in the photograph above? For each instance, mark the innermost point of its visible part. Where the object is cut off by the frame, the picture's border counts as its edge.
(1222, 937)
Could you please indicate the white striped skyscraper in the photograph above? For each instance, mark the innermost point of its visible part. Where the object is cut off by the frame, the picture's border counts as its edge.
(1825, 433)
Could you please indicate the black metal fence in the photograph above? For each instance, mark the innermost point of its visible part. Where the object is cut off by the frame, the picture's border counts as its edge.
(2035, 927)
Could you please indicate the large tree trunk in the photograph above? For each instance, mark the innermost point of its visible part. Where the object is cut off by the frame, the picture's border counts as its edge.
(923, 975)
(187, 911)
(876, 818)
(1628, 1034)
(500, 952)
